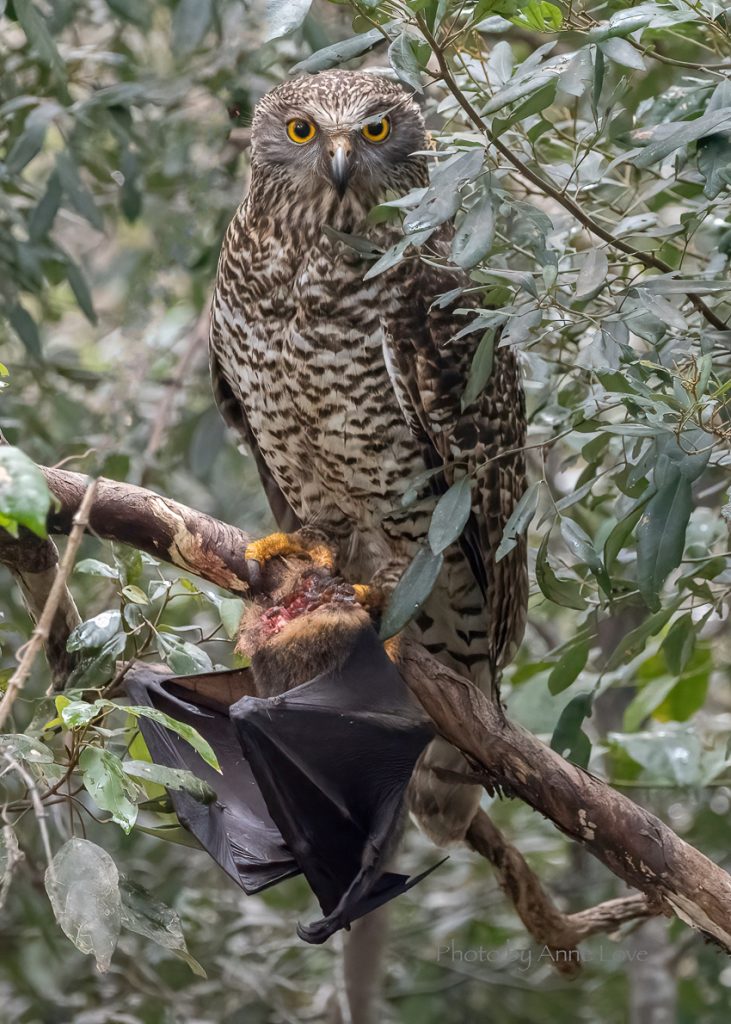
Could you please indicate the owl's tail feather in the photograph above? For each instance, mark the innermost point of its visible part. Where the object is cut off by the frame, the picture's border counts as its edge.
(443, 809)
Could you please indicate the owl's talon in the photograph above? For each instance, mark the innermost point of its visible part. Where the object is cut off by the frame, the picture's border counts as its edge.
(254, 574)
(303, 544)
(370, 597)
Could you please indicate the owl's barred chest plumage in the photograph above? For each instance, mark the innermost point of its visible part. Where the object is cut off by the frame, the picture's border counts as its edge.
(304, 351)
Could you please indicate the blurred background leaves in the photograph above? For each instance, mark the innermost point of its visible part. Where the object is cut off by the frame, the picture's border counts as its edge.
(124, 136)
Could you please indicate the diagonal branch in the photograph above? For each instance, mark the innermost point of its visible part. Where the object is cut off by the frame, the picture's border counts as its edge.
(634, 844)
(560, 933)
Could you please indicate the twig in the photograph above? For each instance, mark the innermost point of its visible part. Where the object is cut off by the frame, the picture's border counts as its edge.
(559, 932)
(38, 809)
(43, 626)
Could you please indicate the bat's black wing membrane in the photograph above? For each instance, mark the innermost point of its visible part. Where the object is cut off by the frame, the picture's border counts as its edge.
(236, 829)
(333, 758)
(313, 780)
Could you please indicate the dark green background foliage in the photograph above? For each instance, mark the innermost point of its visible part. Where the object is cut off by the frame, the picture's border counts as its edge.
(597, 224)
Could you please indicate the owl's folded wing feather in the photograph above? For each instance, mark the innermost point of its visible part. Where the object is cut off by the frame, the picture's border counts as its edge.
(429, 366)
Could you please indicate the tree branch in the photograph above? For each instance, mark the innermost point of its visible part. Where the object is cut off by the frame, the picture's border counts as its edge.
(34, 564)
(55, 595)
(634, 844)
(548, 926)
(165, 529)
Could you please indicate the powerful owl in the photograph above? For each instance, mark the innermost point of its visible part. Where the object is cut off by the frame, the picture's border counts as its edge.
(348, 391)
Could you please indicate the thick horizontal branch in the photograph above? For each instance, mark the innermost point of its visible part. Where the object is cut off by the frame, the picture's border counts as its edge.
(165, 529)
(634, 844)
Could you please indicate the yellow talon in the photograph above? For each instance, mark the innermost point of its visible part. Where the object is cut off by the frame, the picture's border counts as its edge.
(282, 545)
(272, 546)
(322, 556)
(392, 647)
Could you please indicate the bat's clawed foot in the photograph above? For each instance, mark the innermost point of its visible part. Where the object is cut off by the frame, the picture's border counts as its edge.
(307, 543)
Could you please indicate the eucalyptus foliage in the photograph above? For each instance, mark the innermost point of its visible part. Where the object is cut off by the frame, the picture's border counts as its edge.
(584, 152)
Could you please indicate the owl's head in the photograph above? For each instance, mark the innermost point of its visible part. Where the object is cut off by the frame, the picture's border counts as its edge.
(349, 132)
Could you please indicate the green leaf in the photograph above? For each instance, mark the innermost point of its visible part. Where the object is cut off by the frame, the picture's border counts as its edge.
(93, 567)
(171, 778)
(28, 144)
(480, 369)
(186, 732)
(568, 667)
(191, 21)
(144, 914)
(26, 328)
(519, 521)
(679, 644)
(450, 515)
(76, 192)
(438, 205)
(619, 536)
(666, 138)
(714, 163)
(338, 53)
(539, 15)
(94, 632)
(283, 16)
(404, 61)
(37, 34)
(689, 693)
(581, 545)
(622, 52)
(82, 883)
(473, 239)
(593, 274)
(230, 609)
(183, 657)
(108, 786)
(411, 592)
(661, 536)
(646, 700)
(24, 495)
(80, 288)
(44, 214)
(26, 748)
(568, 738)
(561, 591)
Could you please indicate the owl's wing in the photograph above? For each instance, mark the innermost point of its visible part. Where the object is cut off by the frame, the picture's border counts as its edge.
(429, 367)
(235, 417)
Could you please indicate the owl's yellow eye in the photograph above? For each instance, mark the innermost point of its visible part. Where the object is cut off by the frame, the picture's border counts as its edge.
(301, 131)
(377, 131)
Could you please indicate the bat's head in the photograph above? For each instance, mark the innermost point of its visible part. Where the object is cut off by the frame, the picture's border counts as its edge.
(306, 628)
(338, 134)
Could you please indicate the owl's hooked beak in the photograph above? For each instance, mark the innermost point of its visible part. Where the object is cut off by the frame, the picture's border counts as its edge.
(340, 167)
